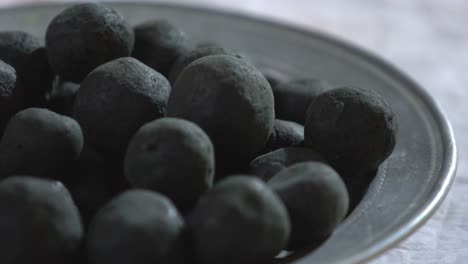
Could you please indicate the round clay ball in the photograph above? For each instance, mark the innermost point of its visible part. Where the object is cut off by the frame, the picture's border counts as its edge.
(267, 165)
(353, 128)
(11, 96)
(39, 142)
(240, 221)
(285, 134)
(135, 227)
(158, 44)
(84, 36)
(292, 98)
(171, 156)
(200, 51)
(231, 101)
(316, 199)
(116, 99)
(62, 98)
(26, 54)
(39, 222)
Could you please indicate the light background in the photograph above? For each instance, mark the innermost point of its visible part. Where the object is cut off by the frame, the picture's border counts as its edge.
(428, 39)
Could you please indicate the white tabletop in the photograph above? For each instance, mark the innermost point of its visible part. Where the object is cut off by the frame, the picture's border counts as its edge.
(427, 39)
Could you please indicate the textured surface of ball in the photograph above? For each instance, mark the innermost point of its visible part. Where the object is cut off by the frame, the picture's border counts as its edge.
(354, 129)
(267, 165)
(174, 157)
(39, 142)
(11, 95)
(135, 227)
(292, 98)
(240, 221)
(231, 101)
(84, 36)
(39, 223)
(316, 199)
(116, 99)
(158, 44)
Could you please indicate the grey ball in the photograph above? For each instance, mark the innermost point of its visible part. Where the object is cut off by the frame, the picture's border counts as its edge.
(240, 221)
(39, 222)
(267, 165)
(231, 101)
(292, 98)
(26, 54)
(158, 44)
(316, 199)
(285, 134)
(11, 95)
(84, 36)
(174, 157)
(200, 51)
(353, 128)
(39, 142)
(135, 227)
(116, 99)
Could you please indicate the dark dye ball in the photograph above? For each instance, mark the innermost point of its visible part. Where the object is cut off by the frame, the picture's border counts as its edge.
(62, 98)
(39, 223)
(115, 100)
(39, 142)
(354, 129)
(285, 134)
(37, 79)
(84, 36)
(202, 50)
(135, 227)
(267, 165)
(26, 54)
(93, 180)
(11, 95)
(240, 221)
(292, 98)
(174, 157)
(158, 44)
(231, 101)
(316, 199)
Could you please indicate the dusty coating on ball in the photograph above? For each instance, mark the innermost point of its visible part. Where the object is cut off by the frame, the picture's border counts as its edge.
(231, 101)
(84, 36)
(174, 157)
(353, 128)
(39, 222)
(11, 96)
(39, 142)
(158, 44)
(137, 226)
(316, 199)
(116, 99)
(267, 165)
(200, 51)
(285, 134)
(292, 98)
(240, 221)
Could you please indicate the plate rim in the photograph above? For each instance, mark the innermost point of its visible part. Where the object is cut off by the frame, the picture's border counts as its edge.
(450, 153)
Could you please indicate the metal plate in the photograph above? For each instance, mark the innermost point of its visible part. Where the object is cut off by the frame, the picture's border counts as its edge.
(410, 185)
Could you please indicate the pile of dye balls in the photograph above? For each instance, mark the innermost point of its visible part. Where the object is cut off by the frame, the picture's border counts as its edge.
(128, 145)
